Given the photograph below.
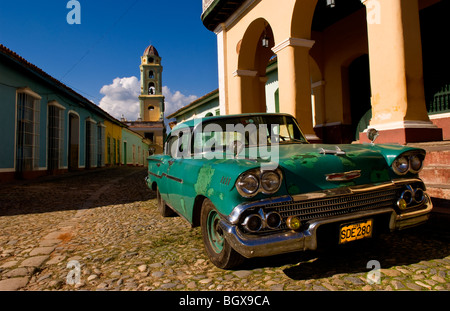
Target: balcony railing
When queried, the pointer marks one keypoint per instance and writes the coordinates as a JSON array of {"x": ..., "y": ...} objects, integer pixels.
[
  {"x": 206, "y": 4},
  {"x": 441, "y": 101}
]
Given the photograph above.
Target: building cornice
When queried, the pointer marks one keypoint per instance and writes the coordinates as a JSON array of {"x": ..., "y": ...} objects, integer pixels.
[
  {"x": 293, "y": 42},
  {"x": 219, "y": 11},
  {"x": 245, "y": 73}
]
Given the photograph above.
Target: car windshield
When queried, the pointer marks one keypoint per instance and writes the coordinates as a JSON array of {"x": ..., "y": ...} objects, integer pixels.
[{"x": 250, "y": 131}]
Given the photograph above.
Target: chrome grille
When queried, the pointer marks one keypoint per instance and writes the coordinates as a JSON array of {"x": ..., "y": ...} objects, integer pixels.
[{"x": 334, "y": 206}]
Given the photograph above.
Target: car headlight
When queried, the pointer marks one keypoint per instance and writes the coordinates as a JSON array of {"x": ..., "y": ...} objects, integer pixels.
[
  {"x": 401, "y": 165},
  {"x": 270, "y": 182},
  {"x": 248, "y": 185},
  {"x": 253, "y": 223},
  {"x": 408, "y": 162},
  {"x": 415, "y": 163},
  {"x": 254, "y": 181}
]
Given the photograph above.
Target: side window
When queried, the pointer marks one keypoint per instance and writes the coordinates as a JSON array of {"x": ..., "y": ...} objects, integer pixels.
[
  {"x": 184, "y": 148},
  {"x": 171, "y": 146},
  {"x": 179, "y": 144}
]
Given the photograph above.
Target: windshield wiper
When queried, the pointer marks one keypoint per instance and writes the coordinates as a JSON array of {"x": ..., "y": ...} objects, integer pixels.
[{"x": 288, "y": 138}]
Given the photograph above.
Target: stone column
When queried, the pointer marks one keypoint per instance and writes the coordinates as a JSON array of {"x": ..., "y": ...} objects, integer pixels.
[
  {"x": 295, "y": 82},
  {"x": 222, "y": 58},
  {"x": 251, "y": 92},
  {"x": 318, "y": 90},
  {"x": 396, "y": 73}
]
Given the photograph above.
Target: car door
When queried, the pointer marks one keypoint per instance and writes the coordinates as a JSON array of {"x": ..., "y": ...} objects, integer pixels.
[
  {"x": 158, "y": 166},
  {"x": 177, "y": 170}
]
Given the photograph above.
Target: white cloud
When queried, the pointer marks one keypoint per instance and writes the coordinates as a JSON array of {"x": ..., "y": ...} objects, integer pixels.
[
  {"x": 121, "y": 98},
  {"x": 175, "y": 101}
]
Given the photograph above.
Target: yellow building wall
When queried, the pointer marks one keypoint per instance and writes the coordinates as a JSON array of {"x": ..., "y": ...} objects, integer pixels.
[
  {"x": 244, "y": 60},
  {"x": 395, "y": 61},
  {"x": 333, "y": 50},
  {"x": 113, "y": 132}
]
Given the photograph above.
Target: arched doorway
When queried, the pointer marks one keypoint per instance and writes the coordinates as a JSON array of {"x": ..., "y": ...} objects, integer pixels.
[
  {"x": 255, "y": 52},
  {"x": 359, "y": 94}
]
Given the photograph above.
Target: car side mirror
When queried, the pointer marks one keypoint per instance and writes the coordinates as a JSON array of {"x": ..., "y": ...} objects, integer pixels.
[{"x": 372, "y": 134}]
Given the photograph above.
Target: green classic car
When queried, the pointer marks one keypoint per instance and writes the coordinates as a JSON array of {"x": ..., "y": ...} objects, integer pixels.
[{"x": 258, "y": 188}]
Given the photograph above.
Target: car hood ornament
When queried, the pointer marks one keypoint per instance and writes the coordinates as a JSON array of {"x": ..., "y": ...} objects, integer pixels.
[
  {"x": 372, "y": 134},
  {"x": 336, "y": 151}
]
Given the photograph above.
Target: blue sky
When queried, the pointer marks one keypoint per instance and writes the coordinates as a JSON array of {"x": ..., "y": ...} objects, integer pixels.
[{"x": 100, "y": 57}]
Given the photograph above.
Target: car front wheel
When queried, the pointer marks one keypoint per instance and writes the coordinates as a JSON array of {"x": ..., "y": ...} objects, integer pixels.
[{"x": 217, "y": 248}]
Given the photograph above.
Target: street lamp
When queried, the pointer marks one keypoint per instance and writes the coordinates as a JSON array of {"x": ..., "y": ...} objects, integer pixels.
[
  {"x": 265, "y": 41},
  {"x": 331, "y": 3}
]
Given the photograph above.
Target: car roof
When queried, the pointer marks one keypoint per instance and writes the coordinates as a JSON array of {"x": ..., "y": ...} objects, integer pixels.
[{"x": 194, "y": 122}]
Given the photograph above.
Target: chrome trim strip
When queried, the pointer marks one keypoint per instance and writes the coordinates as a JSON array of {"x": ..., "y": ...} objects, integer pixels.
[
  {"x": 168, "y": 176},
  {"x": 174, "y": 178},
  {"x": 156, "y": 175}
]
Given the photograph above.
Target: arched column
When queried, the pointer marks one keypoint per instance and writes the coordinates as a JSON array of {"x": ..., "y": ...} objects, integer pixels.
[
  {"x": 250, "y": 88},
  {"x": 295, "y": 82},
  {"x": 396, "y": 72}
]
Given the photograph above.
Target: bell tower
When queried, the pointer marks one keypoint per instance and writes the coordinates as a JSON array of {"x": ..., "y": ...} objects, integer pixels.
[{"x": 151, "y": 99}]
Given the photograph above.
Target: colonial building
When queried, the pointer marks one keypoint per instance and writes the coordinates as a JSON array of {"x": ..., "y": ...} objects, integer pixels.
[
  {"x": 205, "y": 106},
  {"x": 342, "y": 65},
  {"x": 151, "y": 120},
  {"x": 134, "y": 148},
  {"x": 48, "y": 128}
]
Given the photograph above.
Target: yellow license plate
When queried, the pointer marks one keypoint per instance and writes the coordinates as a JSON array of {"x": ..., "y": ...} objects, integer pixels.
[{"x": 355, "y": 231}]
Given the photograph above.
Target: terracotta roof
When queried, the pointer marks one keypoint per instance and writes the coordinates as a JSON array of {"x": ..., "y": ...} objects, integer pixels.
[
  {"x": 145, "y": 124},
  {"x": 19, "y": 60},
  {"x": 151, "y": 51}
]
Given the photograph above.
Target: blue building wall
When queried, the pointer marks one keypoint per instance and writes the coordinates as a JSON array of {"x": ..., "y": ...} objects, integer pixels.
[
  {"x": 7, "y": 124},
  {"x": 14, "y": 77}
]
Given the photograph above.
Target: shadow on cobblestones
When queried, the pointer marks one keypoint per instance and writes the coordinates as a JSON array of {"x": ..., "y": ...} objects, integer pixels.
[
  {"x": 68, "y": 192},
  {"x": 408, "y": 247}
]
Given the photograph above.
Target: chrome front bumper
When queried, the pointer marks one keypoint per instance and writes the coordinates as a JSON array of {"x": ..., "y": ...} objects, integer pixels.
[{"x": 291, "y": 241}]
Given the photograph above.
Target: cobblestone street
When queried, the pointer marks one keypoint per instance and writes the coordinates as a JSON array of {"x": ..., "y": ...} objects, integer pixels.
[{"x": 105, "y": 224}]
